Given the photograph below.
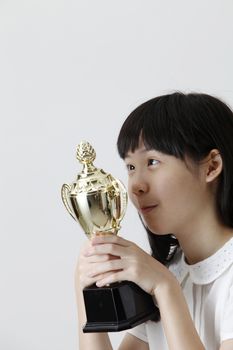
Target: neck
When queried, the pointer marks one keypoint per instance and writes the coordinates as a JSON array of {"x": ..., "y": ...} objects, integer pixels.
[{"x": 203, "y": 238}]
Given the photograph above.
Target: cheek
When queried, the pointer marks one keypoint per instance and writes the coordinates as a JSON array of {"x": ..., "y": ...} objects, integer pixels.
[{"x": 177, "y": 188}]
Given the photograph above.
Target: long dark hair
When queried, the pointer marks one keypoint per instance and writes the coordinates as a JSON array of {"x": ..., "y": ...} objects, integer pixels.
[{"x": 180, "y": 125}]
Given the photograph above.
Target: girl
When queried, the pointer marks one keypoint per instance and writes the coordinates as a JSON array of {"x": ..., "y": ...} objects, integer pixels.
[{"x": 178, "y": 150}]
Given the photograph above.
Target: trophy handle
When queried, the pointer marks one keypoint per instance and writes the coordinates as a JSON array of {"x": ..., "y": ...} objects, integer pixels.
[
  {"x": 124, "y": 199},
  {"x": 65, "y": 188}
]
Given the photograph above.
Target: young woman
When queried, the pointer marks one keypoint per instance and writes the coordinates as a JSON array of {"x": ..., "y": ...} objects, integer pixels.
[{"x": 178, "y": 150}]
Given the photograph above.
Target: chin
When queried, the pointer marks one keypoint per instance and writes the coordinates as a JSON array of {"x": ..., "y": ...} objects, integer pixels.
[
  {"x": 157, "y": 230},
  {"x": 153, "y": 227}
]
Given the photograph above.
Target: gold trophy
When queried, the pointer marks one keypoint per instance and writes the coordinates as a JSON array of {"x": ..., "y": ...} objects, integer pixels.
[{"x": 98, "y": 202}]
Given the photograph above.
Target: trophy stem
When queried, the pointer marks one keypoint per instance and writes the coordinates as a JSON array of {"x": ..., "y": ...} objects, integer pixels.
[
  {"x": 88, "y": 168},
  {"x": 104, "y": 233}
]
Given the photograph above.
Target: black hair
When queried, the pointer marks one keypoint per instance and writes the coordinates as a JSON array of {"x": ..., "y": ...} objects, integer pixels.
[{"x": 180, "y": 125}]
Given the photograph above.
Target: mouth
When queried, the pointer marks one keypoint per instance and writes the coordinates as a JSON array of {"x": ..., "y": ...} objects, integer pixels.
[{"x": 145, "y": 210}]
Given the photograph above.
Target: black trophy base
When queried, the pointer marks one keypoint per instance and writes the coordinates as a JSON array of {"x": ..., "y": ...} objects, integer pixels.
[{"x": 116, "y": 307}]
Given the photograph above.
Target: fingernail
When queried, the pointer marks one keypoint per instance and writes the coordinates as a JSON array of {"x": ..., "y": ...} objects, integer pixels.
[{"x": 87, "y": 253}]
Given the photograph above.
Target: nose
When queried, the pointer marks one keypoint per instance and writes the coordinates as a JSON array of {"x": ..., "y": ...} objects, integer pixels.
[{"x": 139, "y": 187}]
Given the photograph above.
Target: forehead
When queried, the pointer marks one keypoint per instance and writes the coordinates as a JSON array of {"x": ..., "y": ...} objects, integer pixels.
[{"x": 143, "y": 151}]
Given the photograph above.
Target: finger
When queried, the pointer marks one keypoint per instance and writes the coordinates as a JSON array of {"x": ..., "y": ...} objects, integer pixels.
[
  {"x": 110, "y": 239},
  {"x": 85, "y": 247},
  {"x": 111, "y": 278},
  {"x": 100, "y": 258},
  {"x": 102, "y": 276},
  {"x": 101, "y": 268},
  {"x": 85, "y": 281},
  {"x": 107, "y": 248}
]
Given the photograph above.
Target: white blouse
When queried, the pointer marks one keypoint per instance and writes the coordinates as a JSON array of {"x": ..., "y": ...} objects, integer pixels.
[{"x": 208, "y": 289}]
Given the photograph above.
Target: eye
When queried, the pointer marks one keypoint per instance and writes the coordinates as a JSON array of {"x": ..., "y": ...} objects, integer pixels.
[
  {"x": 130, "y": 167},
  {"x": 153, "y": 162}
]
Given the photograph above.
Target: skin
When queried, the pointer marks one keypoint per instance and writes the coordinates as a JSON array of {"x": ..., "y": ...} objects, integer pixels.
[{"x": 160, "y": 187}]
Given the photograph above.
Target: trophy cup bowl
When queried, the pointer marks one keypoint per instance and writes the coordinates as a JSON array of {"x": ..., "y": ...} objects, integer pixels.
[{"x": 98, "y": 202}]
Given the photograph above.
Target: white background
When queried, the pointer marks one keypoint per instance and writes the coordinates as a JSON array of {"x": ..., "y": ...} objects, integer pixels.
[{"x": 73, "y": 70}]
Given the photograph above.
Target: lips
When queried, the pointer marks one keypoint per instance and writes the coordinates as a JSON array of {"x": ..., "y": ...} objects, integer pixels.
[{"x": 147, "y": 209}]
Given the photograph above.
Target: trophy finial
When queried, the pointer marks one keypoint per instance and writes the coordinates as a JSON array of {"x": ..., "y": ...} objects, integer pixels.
[{"x": 85, "y": 153}]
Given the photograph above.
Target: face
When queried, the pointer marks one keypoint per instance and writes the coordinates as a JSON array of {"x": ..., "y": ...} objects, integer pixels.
[{"x": 167, "y": 193}]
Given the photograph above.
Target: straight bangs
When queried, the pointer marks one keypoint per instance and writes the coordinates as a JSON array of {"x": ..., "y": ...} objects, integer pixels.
[
  {"x": 155, "y": 123},
  {"x": 173, "y": 124}
]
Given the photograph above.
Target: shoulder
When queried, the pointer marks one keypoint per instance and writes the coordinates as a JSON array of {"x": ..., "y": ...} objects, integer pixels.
[{"x": 225, "y": 295}]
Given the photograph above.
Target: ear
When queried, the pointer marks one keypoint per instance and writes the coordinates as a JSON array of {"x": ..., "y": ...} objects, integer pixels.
[{"x": 214, "y": 165}]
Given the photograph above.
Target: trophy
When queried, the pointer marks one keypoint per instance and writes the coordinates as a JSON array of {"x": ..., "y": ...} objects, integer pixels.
[{"x": 98, "y": 202}]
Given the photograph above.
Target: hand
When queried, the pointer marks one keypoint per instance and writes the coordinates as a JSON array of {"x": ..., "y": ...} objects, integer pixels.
[
  {"x": 84, "y": 270},
  {"x": 113, "y": 258}
]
